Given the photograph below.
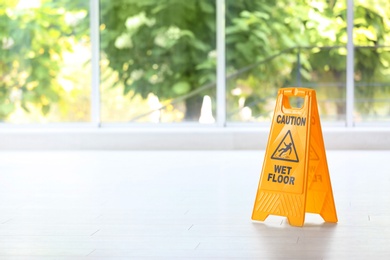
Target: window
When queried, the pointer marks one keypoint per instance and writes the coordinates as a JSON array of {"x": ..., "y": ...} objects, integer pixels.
[{"x": 156, "y": 61}]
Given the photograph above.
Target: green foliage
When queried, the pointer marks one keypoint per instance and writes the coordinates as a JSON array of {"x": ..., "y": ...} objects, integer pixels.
[
  {"x": 33, "y": 41},
  {"x": 256, "y": 30},
  {"x": 168, "y": 47},
  {"x": 255, "y": 35},
  {"x": 372, "y": 28},
  {"x": 159, "y": 46}
]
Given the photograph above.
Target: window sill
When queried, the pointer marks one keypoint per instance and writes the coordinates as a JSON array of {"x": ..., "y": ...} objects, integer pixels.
[{"x": 191, "y": 138}]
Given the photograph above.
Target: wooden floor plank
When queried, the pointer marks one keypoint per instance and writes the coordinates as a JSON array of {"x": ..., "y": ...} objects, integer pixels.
[{"x": 180, "y": 204}]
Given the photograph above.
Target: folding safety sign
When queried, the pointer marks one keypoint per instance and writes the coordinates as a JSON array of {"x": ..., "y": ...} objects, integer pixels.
[{"x": 295, "y": 176}]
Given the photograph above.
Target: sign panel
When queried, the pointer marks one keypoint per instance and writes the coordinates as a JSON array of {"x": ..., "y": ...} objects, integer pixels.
[{"x": 295, "y": 177}]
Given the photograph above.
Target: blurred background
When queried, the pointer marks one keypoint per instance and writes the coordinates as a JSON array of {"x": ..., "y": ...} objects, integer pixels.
[{"x": 214, "y": 62}]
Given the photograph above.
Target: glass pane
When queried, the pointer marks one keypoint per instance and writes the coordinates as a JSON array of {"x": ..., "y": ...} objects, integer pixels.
[
  {"x": 324, "y": 69},
  {"x": 264, "y": 53},
  {"x": 372, "y": 60},
  {"x": 158, "y": 60},
  {"x": 251, "y": 91},
  {"x": 44, "y": 61},
  {"x": 372, "y": 84}
]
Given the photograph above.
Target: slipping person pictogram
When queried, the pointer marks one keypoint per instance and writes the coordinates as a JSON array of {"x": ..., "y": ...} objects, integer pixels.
[{"x": 286, "y": 150}]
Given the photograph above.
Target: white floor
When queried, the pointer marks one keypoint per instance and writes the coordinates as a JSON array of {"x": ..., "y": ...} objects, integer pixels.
[{"x": 180, "y": 204}]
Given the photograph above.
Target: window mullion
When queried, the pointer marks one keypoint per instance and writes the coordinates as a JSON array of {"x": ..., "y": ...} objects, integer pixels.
[
  {"x": 221, "y": 64},
  {"x": 350, "y": 66},
  {"x": 95, "y": 61}
]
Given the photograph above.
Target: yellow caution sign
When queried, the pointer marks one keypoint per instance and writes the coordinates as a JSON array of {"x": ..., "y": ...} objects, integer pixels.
[{"x": 295, "y": 176}]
